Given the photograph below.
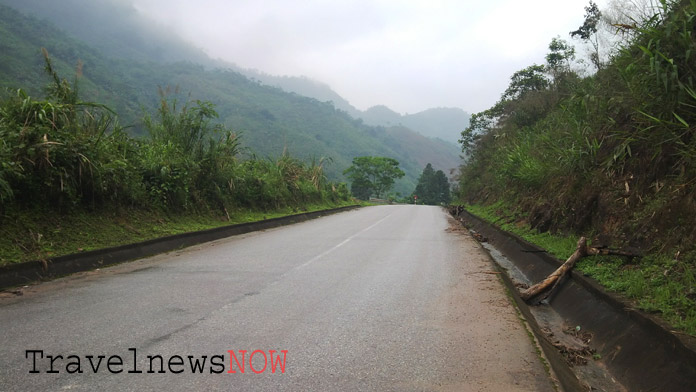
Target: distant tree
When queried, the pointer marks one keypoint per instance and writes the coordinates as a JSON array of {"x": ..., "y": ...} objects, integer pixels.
[
  {"x": 361, "y": 188},
  {"x": 525, "y": 81},
  {"x": 588, "y": 31},
  {"x": 442, "y": 187},
  {"x": 480, "y": 124},
  {"x": 372, "y": 176},
  {"x": 424, "y": 190},
  {"x": 561, "y": 53},
  {"x": 433, "y": 187}
]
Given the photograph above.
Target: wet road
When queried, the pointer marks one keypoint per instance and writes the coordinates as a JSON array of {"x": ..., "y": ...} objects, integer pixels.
[{"x": 380, "y": 298}]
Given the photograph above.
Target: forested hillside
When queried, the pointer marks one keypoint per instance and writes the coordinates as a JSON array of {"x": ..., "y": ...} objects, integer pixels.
[
  {"x": 115, "y": 28},
  {"x": 441, "y": 123},
  {"x": 269, "y": 120},
  {"x": 611, "y": 156},
  {"x": 71, "y": 179}
]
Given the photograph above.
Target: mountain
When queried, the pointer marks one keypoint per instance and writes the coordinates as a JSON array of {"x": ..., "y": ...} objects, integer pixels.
[
  {"x": 269, "y": 119},
  {"x": 442, "y": 123},
  {"x": 304, "y": 86},
  {"x": 382, "y": 116},
  {"x": 114, "y": 27}
]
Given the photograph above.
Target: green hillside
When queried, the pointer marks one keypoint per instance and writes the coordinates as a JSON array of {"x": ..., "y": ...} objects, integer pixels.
[
  {"x": 270, "y": 120},
  {"x": 610, "y": 156},
  {"x": 113, "y": 26}
]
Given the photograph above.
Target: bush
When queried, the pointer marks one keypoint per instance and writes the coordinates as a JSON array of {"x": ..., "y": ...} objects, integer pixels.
[{"x": 62, "y": 152}]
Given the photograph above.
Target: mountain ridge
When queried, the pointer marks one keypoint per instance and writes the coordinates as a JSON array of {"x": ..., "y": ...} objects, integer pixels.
[
  {"x": 271, "y": 121},
  {"x": 136, "y": 37}
]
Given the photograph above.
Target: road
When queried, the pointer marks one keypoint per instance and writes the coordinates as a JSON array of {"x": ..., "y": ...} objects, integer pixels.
[{"x": 386, "y": 298}]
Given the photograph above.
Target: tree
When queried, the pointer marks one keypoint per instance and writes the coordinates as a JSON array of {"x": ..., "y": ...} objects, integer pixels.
[
  {"x": 433, "y": 187},
  {"x": 479, "y": 124},
  {"x": 525, "y": 81},
  {"x": 588, "y": 31},
  {"x": 442, "y": 187},
  {"x": 361, "y": 188},
  {"x": 372, "y": 176},
  {"x": 561, "y": 53}
]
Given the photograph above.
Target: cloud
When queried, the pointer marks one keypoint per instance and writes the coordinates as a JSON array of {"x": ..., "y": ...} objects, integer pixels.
[{"x": 408, "y": 55}]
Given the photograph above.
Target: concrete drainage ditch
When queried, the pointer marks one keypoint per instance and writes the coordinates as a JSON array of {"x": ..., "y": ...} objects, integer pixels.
[{"x": 594, "y": 340}]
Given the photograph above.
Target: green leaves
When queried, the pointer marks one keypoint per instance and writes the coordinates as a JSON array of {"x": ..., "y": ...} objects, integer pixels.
[
  {"x": 433, "y": 187},
  {"x": 525, "y": 81},
  {"x": 62, "y": 152},
  {"x": 589, "y": 26},
  {"x": 373, "y": 176}
]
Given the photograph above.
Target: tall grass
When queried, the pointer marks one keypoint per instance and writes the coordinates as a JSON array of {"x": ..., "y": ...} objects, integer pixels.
[
  {"x": 637, "y": 115},
  {"x": 614, "y": 155},
  {"x": 61, "y": 153}
]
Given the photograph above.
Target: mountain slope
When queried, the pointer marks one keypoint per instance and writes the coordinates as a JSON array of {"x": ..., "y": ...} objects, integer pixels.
[
  {"x": 115, "y": 27},
  {"x": 303, "y": 86},
  {"x": 269, "y": 119},
  {"x": 382, "y": 116},
  {"x": 442, "y": 123},
  {"x": 118, "y": 30}
]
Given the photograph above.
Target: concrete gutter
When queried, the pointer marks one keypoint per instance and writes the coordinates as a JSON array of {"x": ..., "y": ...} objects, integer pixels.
[
  {"x": 31, "y": 271},
  {"x": 638, "y": 350}
]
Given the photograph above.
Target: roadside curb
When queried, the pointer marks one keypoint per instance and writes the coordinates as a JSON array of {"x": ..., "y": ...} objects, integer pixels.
[
  {"x": 639, "y": 350},
  {"x": 31, "y": 271}
]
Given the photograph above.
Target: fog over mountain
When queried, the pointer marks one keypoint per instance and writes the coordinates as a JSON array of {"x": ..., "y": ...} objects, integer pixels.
[
  {"x": 127, "y": 78},
  {"x": 407, "y": 55},
  {"x": 118, "y": 28}
]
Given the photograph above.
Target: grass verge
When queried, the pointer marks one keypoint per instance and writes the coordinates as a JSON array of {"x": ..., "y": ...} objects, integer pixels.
[
  {"x": 36, "y": 235},
  {"x": 657, "y": 283}
]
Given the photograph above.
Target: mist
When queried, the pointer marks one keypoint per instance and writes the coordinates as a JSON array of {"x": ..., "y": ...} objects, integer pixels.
[{"x": 407, "y": 55}]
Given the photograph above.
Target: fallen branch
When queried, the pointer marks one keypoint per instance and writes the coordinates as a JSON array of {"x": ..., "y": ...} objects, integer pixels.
[
  {"x": 551, "y": 293},
  {"x": 538, "y": 288},
  {"x": 556, "y": 279}
]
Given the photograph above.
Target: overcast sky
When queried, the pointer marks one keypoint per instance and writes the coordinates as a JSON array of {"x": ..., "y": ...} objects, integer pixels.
[{"x": 408, "y": 55}]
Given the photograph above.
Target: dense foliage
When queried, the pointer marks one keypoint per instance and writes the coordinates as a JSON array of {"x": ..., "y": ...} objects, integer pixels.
[
  {"x": 605, "y": 144},
  {"x": 610, "y": 155},
  {"x": 433, "y": 187},
  {"x": 372, "y": 176},
  {"x": 63, "y": 153}
]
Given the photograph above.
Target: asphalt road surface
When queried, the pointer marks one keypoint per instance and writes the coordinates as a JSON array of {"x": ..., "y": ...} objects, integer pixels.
[{"x": 388, "y": 298}]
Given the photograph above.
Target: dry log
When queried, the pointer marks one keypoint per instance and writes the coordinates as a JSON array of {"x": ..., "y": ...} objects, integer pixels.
[
  {"x": 538, "y": 288},
  {"x": 557, "y": 277},
  {"x": 551, "y": 293}
]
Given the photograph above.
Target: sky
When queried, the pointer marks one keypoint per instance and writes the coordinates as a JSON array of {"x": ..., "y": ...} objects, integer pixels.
[{"x": 408, "y": 55}]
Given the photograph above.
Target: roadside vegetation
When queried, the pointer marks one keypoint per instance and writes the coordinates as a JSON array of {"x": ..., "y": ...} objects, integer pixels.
[
  {"x": 653, "y": 283},
  {"x": 433, "y": 188},
  {"x": 373, "y": 176},
  {"x": 607, "y": 151},
  {"x": 70, "y": 176}
]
